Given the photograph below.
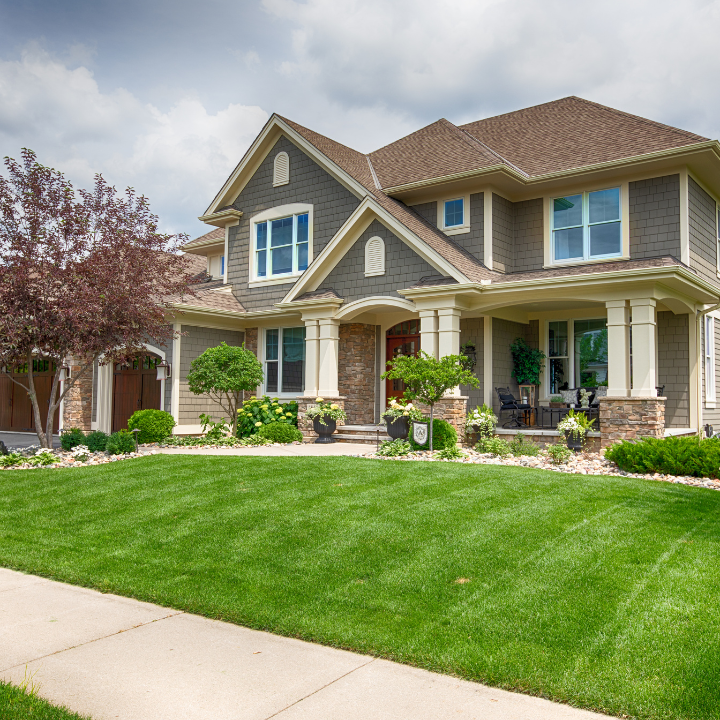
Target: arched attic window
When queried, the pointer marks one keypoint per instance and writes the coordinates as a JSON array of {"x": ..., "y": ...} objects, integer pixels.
[
  {"x": 374, "y": 256},
  {"x": 281, "y": 170}
]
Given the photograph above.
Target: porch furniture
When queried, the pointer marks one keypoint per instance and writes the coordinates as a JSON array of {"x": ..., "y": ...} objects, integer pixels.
[
  {"x": 508, "y": 402},
  {"x": 660, "y": 391},
  {"x": 527, "y": 395},
  {"x": 551, "y": 416}
]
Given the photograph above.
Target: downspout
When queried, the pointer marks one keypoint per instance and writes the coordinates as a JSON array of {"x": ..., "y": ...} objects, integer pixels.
[{"x": 700, "y": 356}]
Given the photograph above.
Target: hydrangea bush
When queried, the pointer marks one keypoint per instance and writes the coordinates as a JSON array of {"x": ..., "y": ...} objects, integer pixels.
[
  {"x": 257, "y": 412},
  {"x": 400, "y": 408},
  {"x": 325, "y": 410}
]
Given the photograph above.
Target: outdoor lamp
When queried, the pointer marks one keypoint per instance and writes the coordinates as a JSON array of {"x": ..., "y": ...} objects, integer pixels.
[
  {"x": 64, "y": 373},
  {"x": 163, "y": 370}
]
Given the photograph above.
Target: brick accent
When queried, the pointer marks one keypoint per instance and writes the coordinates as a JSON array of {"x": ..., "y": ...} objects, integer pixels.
[
  {"x": 305, "y": 425},
  {"x": 356, "y": 372},
  {"x": 627, "y": 418},
  {"x": 452, "y": 409},
  {"x": 77, "y": 408}
]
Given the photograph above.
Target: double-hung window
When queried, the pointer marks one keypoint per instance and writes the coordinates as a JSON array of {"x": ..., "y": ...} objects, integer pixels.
[
  {"x": 284, "y": 360},
  {"x": 577, "y": 354},
  {"x": 709, "y": 359},
  {"x": 586, "y": 226},
  {"x": 281, "y": 246}
]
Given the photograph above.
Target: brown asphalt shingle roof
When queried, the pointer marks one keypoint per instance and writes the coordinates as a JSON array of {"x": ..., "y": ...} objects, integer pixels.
[{"x": 216, "y": 234}]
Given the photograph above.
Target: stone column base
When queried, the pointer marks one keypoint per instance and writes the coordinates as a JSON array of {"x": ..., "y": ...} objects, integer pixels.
[
  {"x": 627, "y": 418},
  {"x": 305, "y": 424},
  {"x": 453, "y": 409},
  {"x": 77, "y": 405}
]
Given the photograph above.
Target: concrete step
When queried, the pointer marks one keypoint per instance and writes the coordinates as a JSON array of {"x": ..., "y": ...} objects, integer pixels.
[{"x": 360, "y": 433}]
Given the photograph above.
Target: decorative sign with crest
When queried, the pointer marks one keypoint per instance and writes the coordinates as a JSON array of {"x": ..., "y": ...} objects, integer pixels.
[{"x": 420, "y": 432}]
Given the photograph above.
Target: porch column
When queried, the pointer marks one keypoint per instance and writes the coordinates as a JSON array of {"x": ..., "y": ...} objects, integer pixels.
[
  {"x": 448, "y": 332},
  {"x": 618, "y": 320},
  {"x": 644, "y": 372},
  {"x": 329, "y": 337},
  {"x": 312, "y": 353},
  {"x": 429, "y": 332}
]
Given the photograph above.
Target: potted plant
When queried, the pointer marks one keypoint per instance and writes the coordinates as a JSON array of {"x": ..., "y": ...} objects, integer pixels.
[
  {"x": 556, "y": 401},
  {"x": 528, "y": 363},
  {"x": 481, "y": 421},
  {"x": 325, "y": 417},
  {"x": 398, "y": 417},
  {"x": 575, "y": 428}
]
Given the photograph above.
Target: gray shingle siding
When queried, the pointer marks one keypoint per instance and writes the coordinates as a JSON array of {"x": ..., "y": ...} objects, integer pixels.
[
  {"x": 193, "y": 343},
  {"x": 502, "y": 234},
  {"x": 674, "y": 367},
  {"x": 472, "y": 330},
  {"x": 428, "y": 211},
  {"x": 309, "y": 183},
  {"x": 655, "y": 217},
  {"x": 703, "y": 232},
  {"x": 403, "y": 267},
  {"x": 529, "y": 235}
]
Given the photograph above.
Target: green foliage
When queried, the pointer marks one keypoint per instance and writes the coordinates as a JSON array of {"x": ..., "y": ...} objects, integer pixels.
[
  {"x": 575, "y": 424},
  {"x": 154, "y": 425},
  {"x": 213, "y": 430},
  {"x": 279, "y": 432},
  {"x": 96, "y": 441},
  {"x": 519, "y": 445},
  {"x": 527, "y": 362},
  {"x": 224, "y": 373},
  {"x": 70, "y": 438},
  {"x": 495, "y": 446},
  {"x": 120, "y": 443},
  {"x": 450, "y": 453},
  {"x": 257, "y": 412},
  {"x": 559, "y": 452},
  {"x": 394, "y": 448},
  {"x": 232, "y": 441},
  {"x": 669, "y": 456},
  {"x": 592, "y": 349},
  {"x": 42, "y": 458},
  {"x": 323, "y": 411},
  {"x": 443, "y": 435},
  {"x": 482, "y": 421},
  {"x": 12, "y": 459},
  {"x": 23, "y": 702}
]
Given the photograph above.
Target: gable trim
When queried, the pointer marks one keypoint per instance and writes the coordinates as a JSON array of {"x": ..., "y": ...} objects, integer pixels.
[{"x": 350, "y": 232}]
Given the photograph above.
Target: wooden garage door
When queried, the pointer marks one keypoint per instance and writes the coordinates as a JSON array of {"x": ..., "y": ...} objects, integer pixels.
[
  {"x": 135, "y": 387},
  {"x": 15, "y": 407}
]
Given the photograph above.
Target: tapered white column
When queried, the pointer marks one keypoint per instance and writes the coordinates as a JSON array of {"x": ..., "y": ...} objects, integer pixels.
[
  {"x": 312, "y": 353},
  {"x": 429, "y": 332},
  {"x": 329, "y": 338},
  {"x": 644, "y": 365},
  {"x": 618, "y": 325},
  {"x": 448, "y": 332}
]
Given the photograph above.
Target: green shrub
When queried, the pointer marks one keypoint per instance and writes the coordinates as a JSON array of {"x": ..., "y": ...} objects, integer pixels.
[
  {"x": 444, "y": 435},
  {"x": 279, "y": 432},
  {"x": 669, "y": 456},
  {"x": 495, "y": 446},
  {"x": 520, "y": 446},
  {"x": 559, "y": 452},
  {"x": 96, "y": 441},
  {"x": 71, "y": 438},
  {"x": 394, "y": 448},
  {"x": 154, "y": 425},
  {"x": 213, "y": 430},
  {"x": 12, "y": 459},
  {"x": 257, "y": 412},
  {"x": 450, "y": 453},
  {"x": 120, "y": 443}
]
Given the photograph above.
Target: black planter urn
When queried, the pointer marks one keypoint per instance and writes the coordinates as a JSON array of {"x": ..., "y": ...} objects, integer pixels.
[
  {"x": 324, "y": 431},
  {"x": 574, "y": 442},
  {"x": 399, "y": 428}
]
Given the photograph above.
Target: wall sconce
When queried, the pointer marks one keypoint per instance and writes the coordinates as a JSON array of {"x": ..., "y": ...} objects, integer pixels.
[
  {"x": 64, "y": 373},
  {"x": 163, "y": 370}
]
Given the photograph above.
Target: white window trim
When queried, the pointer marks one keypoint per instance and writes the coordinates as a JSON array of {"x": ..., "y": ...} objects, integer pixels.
[
  {"x": 454, "y": 229},
  {"x": 709, "y": 362},
  {"x": 549, "y": 262},
  {"x": 275, "y": 214},
  {"x": 262, "y": 390}
]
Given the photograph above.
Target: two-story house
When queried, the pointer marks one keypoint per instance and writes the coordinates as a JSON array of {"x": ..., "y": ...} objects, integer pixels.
[{"x": 568, "y": 224}]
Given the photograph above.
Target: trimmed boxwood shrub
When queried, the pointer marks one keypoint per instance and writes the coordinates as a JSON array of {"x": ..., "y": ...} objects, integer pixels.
[
  {"x": 120, "y": 443},
  {"x": 444, "y": 436},
  {"x": 280, "y": 432},
  {"x": 72, "y": 438},
  {"x": 96, "y": 441},
  {"x": 154, "y": 425},
  {"x": 669, "y": 456}
]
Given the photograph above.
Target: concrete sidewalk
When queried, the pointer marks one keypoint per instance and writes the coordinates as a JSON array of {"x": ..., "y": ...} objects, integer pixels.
[{"x": 112, "y": 657}]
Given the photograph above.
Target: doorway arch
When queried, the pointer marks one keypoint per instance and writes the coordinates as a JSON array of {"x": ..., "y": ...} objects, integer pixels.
[
  {"x": 135, "y": 387},
  {"x": 400, "y": 339}
]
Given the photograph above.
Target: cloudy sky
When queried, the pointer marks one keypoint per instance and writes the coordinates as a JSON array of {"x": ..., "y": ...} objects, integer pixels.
[{"x": 166, "y": 96}]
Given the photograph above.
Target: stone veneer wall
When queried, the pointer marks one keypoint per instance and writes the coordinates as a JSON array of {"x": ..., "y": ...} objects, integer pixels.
[
  {"x": 77, "y": 408},
  {"x": 452, "y": 409},
  {"x": 627, "y": 418},
  {"x": 305, "y": 424},
  {"x": 356, "y": 372}
]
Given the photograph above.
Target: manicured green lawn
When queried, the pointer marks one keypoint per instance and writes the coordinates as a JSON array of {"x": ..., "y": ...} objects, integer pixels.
[
  {"x": 16, "y": 704},
  {"x": 601, "y": 592}
]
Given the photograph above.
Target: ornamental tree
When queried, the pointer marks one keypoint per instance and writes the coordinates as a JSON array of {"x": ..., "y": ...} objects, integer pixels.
[
  {"x": 224, "y": 373},
  {"x": 427, "y": 379},
  {"x": 84, "y": 275}
]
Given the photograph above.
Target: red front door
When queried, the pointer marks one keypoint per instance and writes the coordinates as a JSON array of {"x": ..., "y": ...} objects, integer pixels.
[{"x": 402, "y": 339}]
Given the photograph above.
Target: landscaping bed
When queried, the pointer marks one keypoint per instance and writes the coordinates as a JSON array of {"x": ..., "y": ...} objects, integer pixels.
[{"x": 34, "y": 458}]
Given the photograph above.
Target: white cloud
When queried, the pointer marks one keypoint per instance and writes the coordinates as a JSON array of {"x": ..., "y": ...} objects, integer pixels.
[{"x": 178, "y": 158}]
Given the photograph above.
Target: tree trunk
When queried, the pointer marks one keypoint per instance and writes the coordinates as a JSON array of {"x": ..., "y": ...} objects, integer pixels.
[
  {"x": 432, "y": 409},
  {"x": 42, "y": 437}
]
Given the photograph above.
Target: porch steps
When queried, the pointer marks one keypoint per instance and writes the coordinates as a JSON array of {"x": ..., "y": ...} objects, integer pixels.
[{"x": 360, "y": 433}]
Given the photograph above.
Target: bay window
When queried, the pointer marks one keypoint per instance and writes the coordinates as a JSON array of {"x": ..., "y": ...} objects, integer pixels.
[
  {"x": 284, "y": 360},
  {"x": 577, "y": 354},
  {"x": 586, "y": 226},
  {"x": 281, "y": 246}
]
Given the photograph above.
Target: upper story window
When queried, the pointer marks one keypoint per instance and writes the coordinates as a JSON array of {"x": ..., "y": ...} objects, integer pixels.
[
  {"x": 281, "y": 169},
  {"x": 216, "y": 266},
  {"x": 587, "y": 226},
  {"x": 454, "y": 213},
  {"x": 282, "y": 246}
]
